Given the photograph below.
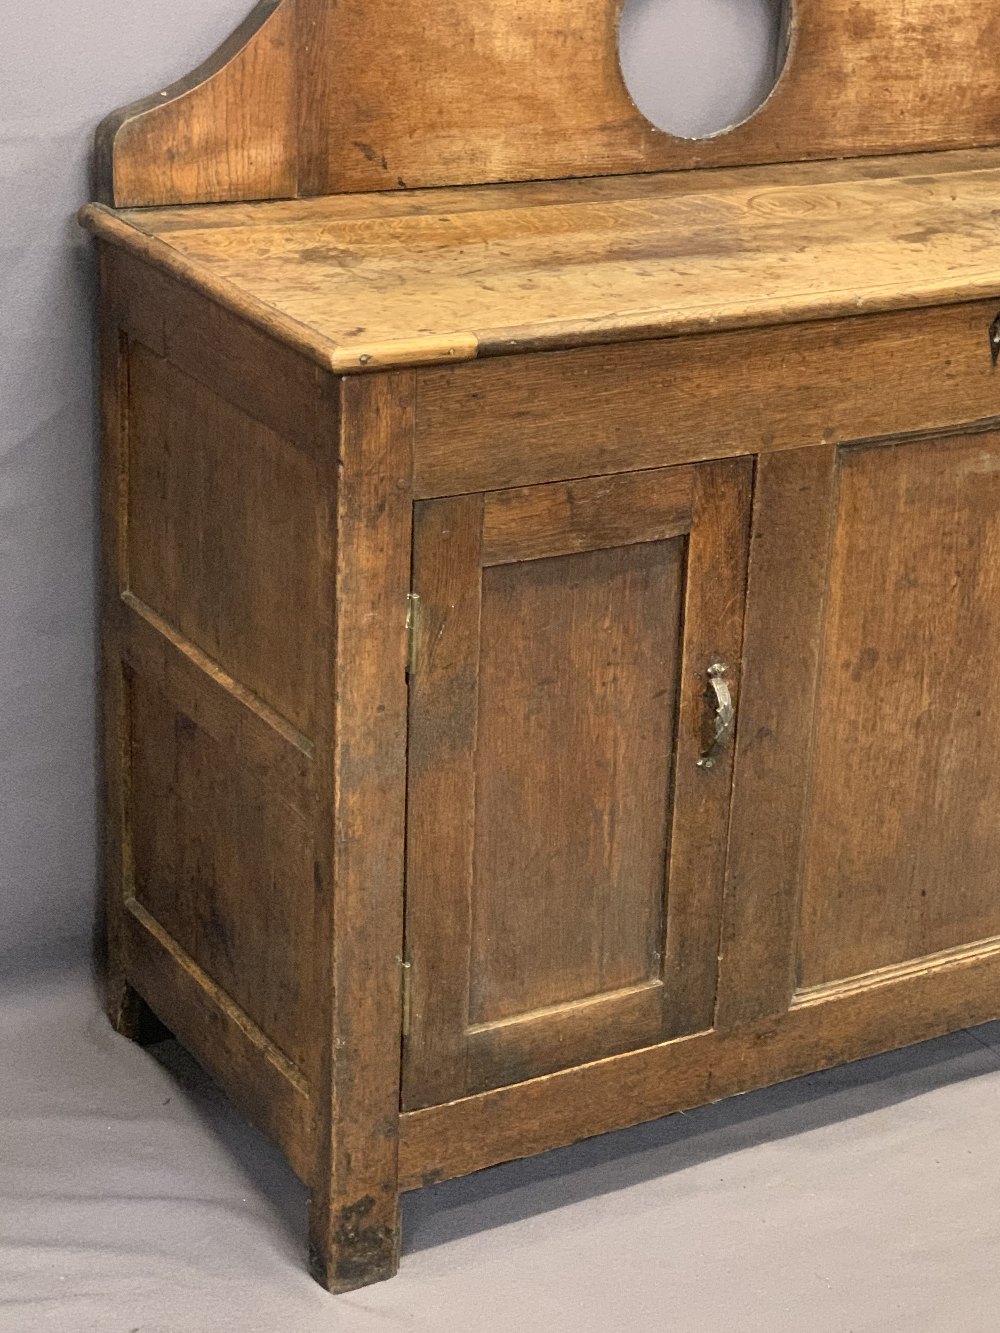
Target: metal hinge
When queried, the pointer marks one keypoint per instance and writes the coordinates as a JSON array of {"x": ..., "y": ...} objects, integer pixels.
[
  {"x": 412, "y": 629},
  {"x": 406, "y": 970}
]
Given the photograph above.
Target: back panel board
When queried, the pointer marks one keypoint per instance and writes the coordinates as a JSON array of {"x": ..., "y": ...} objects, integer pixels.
[{"x": 371, "y": 95}]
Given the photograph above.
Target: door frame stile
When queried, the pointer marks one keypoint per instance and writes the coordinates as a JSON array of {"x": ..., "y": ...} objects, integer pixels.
[{"x": 795, "y": 494}]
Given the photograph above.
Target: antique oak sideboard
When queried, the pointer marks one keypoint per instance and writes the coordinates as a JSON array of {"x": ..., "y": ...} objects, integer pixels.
[{"x": 551, "y": 576}]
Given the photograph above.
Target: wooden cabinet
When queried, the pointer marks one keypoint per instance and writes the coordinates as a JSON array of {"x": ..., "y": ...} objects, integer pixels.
[
  {"x": 547, "y": 627},
  {"x": 567, "y": 811}
]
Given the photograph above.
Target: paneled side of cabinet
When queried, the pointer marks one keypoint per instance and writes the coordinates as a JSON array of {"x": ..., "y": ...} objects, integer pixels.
[
  {"x": 218, "y": 556},
  {"x": 565, "y": 844}
]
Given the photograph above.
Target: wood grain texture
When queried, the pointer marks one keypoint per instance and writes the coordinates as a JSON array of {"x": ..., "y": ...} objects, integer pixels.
[
  {"x": 279, "y": 756},
  {"x": 564, "y": 883},
  {"x": 713, "y": 633},
  {"x": 317, "y": 97},
  {"x": 225, "y": 866},
  {"x": 266, "y": 375},
  {"x": 579, "y": 676},
  {"x": 443, "y": 722},
  {"x": 444, "y": 96},
  {"x": 354, "y": 1218},
  {"x": 904, "y": 813},
  {"x": 226, "y": 131},
  {"x": 446, "y": 200},
  {"x": 549, "y": 1112},
  {"x": 438, "y": 287},
  {"x": 579, "y": 668},
  {"x": 680, "y": 400},
  {"x": 168, "y": 271},
  {"x": 521, "y": 1047},
  {"x": 256, "y": 1075},
  {"x": 532, "y": 522},
  {"x": 619, "y": 418},
  {"x": 120, "y": 998},
  {"x": 225, "y": 533},
  {"x": 793, "y": 513},
  {"x": 526, "y": 851},
  {"x": 214, "y": 797}
]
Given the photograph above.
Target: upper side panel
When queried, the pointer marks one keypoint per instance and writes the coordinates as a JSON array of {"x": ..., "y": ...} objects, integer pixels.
[{"x": 316, "y": 97}]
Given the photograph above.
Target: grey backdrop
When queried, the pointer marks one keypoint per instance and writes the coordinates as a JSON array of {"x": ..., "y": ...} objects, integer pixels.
[{"x": 63, "y": 65}]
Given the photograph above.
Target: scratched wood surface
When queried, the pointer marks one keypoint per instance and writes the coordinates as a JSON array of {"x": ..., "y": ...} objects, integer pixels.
[
  {"x": 565, "y": 849},
  {"x": 312, "y": 97},
  {"x": 369, "y": 287},
  {"x": 211, "y": 793},
  {"x": 900, "y": 857}
]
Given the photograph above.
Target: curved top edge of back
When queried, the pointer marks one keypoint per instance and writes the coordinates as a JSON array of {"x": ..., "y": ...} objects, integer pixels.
[{"x": 312, "y": 97}]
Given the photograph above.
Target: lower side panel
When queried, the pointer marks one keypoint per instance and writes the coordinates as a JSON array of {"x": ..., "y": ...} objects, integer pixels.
[
  {"x": 261, "y": 1081},
  {"x": 879, "y": 1013}
]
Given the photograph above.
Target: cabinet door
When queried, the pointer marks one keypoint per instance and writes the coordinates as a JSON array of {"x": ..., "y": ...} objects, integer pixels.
[
  {"x": 565, "y": 846},
  {"x": 870, "y": 727}
]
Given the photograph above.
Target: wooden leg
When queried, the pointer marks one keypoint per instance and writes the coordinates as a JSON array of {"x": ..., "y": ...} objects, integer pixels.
[
  {"x": 353, "y": 1244},
  {"x": 354, "y": 1222},
  {"x": 130, "y": 1015},
  {"x": 124, "y": 1007}
]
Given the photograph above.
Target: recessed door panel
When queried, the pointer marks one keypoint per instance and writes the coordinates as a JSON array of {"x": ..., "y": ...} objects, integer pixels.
[
  {"x": 903, "y": 823},
  {"x": 579, "y": 666}
]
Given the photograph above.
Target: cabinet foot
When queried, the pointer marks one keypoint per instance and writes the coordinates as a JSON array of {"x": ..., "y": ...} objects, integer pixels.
[
  {"x": 123, "y": 1005},
  {"x": 130, "y": 1015},
  {"x": 355, "y": 1244}
]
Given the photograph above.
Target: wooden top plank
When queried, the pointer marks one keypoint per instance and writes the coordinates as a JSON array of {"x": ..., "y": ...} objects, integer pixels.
[{"x": 368, "y": 282}]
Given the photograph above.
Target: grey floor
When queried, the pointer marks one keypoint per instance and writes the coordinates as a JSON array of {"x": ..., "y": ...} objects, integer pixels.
[{"x": 134, "y": 1200}]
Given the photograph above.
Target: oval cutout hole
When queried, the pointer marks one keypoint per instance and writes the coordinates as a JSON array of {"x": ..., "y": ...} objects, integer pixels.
[{"x": 697, "y": 68}]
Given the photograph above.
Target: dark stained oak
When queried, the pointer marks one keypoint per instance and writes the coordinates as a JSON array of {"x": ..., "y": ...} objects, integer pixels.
[{"x": 121, "y": 998}]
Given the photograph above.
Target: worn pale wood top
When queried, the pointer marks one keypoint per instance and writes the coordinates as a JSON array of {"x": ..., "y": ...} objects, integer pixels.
[{"x": 369, "y": 281}]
